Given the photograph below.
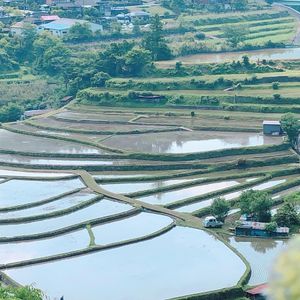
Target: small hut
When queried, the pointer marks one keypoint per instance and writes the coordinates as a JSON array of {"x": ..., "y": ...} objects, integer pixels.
[{"x": 272, "y": 128}]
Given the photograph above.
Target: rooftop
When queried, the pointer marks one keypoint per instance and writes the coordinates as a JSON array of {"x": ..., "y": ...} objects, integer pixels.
[
  {"x": 271, "y": 123},
  {"x": 50, "y": 18},
  {"x": 63, "y": 24}
]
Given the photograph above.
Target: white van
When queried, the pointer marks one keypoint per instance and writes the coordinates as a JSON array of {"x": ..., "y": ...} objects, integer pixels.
[{"x": 211, "y": 222}]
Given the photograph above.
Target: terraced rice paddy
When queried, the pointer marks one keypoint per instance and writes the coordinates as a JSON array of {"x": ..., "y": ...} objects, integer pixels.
[
  {"x": 254, "y": 55},
  {"x": 188, "y": 142},
  {"x": 260, "y": 254},
  {"x": 122, "y": 204}
]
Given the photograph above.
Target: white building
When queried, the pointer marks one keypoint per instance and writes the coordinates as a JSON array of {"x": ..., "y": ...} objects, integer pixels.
[{"x": 62, "y": 26}]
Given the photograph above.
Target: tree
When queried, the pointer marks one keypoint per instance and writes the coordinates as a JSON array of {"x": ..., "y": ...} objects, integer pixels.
[
  {"x": 79, "y": 32},
  {"x": 154, "y": 41},
  {"x": 113, "y": 60},
  {"x": 256, "y": 203},
  {"x": 220, "y": 208},
  {"x": 51, "y": 55},
  {"x": 56, "y": 59},
  {"x": 235, "y": 34},
  {"x": 136, "y": 60},
  {"x": 287, "y": 215},
  {"x": 99, "y": 79},
  {"x": 291, "y": 125},
  {"x": 239, "y": 5},
  {"x": 10, "y": 113},
  {"x": 177, "y": 6},
  {"x": 6, "y": 63},
  {"x": 246, "y": 61}
]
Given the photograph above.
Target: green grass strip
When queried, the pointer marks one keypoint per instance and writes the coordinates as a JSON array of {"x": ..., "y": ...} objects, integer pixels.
[{"x": 91, "y": 235}]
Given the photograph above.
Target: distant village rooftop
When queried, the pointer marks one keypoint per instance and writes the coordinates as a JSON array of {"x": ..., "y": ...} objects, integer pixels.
[
  {"x": 49, "y": 18},
  {"x": 61, "y": 26}
]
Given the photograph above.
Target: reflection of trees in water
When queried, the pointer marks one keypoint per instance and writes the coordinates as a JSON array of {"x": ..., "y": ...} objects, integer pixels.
[
  {"x": 262, "y": 246},
  {"x": 164, "y": 142},
  {"x": 156, "y": 143}
]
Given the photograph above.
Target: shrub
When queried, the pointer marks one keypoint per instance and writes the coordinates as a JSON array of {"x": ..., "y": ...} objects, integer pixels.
[
  {"x": 275, "y": 85},
  {"x": 277, "y": 96},
  {"x": 271, "y": 227},
  {"x": 242, "y": 163},
  {"x": 11, "y": 112},
  {"x": 200, "y": 36}
]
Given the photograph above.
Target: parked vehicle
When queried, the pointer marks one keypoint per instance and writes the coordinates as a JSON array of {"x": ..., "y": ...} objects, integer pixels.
[{"x": 212, "y": 222}]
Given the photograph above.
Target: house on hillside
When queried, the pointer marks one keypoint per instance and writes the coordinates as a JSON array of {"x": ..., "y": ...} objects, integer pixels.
[
  {"x": 62, "y": 26},
  {"x": 19, "y": 27},
  {"x": 139, "y": 17}
]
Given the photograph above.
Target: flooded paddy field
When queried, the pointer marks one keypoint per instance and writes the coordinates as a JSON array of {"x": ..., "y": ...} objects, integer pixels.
[
  {"x": 55, "y": 201},
  {"x": 101, "y": 128},
  {"x": 206, "y": 203},
  {"x": 24, "y": 174},
  {"x": 101, "y": 209},
  {"x": 15, "y": 252},
  {"x": 27, "y": 143},
  {"x": 54, "y": 206},
  {"x": 254, "y": 55},
  {"x": 93, "y": 117},
  {"x": 150, "y": 269},
  {"x": 89, "y": 162},
  {"x": 188, "y": 142},
  {"x": 17, "y": 191},
  {"x": 132, "y": 187},
  {"x": 130, "y": 228},
  {"x": 173, "y": 196},
  {"x": 260, "y": 253}
]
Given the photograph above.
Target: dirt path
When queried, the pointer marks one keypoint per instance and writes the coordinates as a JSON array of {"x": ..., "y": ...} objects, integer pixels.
[{"x": 181, "y": 218}]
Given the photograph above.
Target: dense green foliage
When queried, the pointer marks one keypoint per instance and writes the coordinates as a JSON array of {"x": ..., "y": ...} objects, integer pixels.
[
  {"x": 291, "y": 125},
  {"x": 256, "y": 203},
  {"x": 21, "y": 293},
  {"x": 220, "y": 208},
  {"x": 79, "y": 33},
  {"x": 287, "y": 215},
  {"x": 10, "y": 112},
  {"x": 154, "y": 41}
]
